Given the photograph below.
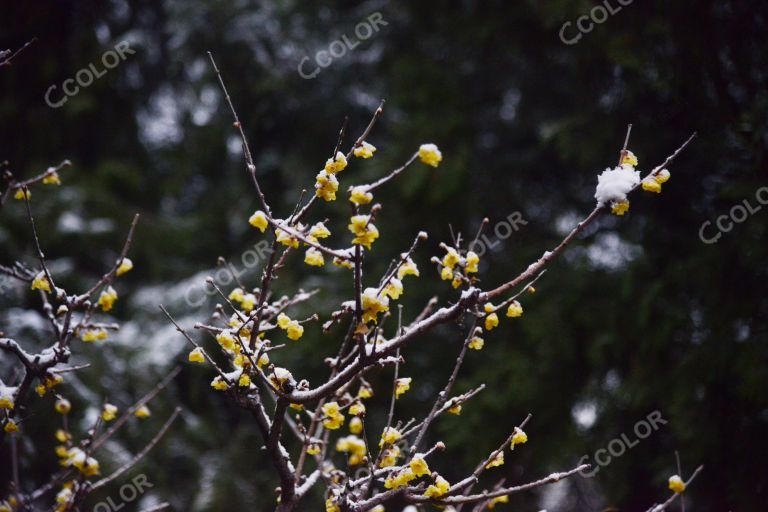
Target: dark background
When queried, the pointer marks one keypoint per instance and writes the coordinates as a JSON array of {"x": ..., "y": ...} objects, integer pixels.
[{"x": 639, "y": 316}]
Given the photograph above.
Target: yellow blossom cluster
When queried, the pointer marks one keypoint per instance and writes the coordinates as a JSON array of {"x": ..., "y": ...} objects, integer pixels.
[
  {"x": 79, "y": 459},
  {"x": 373, "y": 304},
  {"x": 22, "y": 194},
  {"x": 333, "y": 419},
  {"x": 439, "y": 488},
  {"x": 654, "y": 183},
  {"x": 360, "y": 196},
  {"x": 455, "y": 268},
  {"x": 293, "y": 329},
  {"x": 430, "y": 155},
  {"x": 364, "y": 230},
  {"x": 364, "y": 150},
  {"x": 389, "y": 456},
  {"x": 107, "y": 299},
  {"x": 91, "y": 335},
  {"x": 47, "y": 383},
  {"x": 354, "y": 446},
  {"x": 247, "y": 301}
]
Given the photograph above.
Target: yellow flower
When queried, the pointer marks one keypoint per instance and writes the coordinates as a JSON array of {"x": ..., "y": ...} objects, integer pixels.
[
  {"x": 336, "y": 164},
  {"x": 408, "y": 268},
  {"x": 125, "y": 266},
  {"x": 61, "y": 451},
  {"x": 676, "y": 484},
  {"x": 333, "y": 417},
  {"x": 373, "y": 304},
  {"x": 491, "y": 321},
  {"x": 365, "y": 232},
  {"x": 498, "y": 460},
  {"x": 219, "y": 384},
  {"x": 399, "y": 479},
  {"x": 62, "y": 406},
  {"x": 430, "y": 155},
  {"x": 11, "y": 426},
  {"x": 109, "y": 413},
  {"x": 365, "y": 391},
  {"x": 419, "y": 466},
  {"x": 90, "y": 335},
  {"x": 244, "y": 381},
  {"x": 49, "y": 382},
  {"x": 314, "y": 257},
  {"x": 393, "y": 289},
  {"x": 319, "y": 231},
  {"x": 390, "y": 436},
  {"x": 107, "y": 299},
  {"x": 662, "y": 176},
  {"x": 456, "y": 409},
  {"x": 629, "y": 158},
  {"x": 514, "y": 310},
  {"x": 357, "y": 409},
  {"x": 259, "y": 220},
  {"x": 41, "y": 282},
  {"x": 142, "y": 412},
  {"x": 62, "y": 435},
  {"x": 294, "y": 330},
  {"x": 620, "y": 207},
  {"x": 236, "y": 295},
  {"x": 355, "y": 425},
  {"x": 498, "y": 499},
  {"x": 196, "y": 356},
  {"x": 352, "y": 445},
  {"x": 286, "y": 239},
  {"x": 476, "y": 343},
  {"x": 359, "y": 196},
  {"x": 283, "y": 320},
  {"x": 451, "y": 258},
  {"x": 248, "y": 302},
  {"x": 52, "y": 179},
  {"x": 331, "y": 506},
  {"x": 472, "y": 260},
  {"x": 280, "y": 377},
  {"x": 6, "y": 401},
  {"x": 365, "y": 150},
  {"x": 326, "y": 186},
  {"x": 456, "y": 281},
  {"x": 226, "y": 340},
  {"x": 313, "y": 448},
  {"x": 340, "y": 262},
  {"x": 651, "y": 185},
  {"x": 440, "y": 487},
  {"x": 402, "y": 385},
  {"x": 519, "y": 437},
  {"x": 378, "y": 508},
  {"x": 389, "y": 456},
  {"x": 446, "y": 274},
  {"x": 88, "y": 466},
  {"x": 20, "y": 194}
]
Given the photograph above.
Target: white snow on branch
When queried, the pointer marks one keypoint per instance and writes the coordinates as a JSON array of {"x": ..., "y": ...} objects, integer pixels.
[{"x": 614, "y": 184}]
